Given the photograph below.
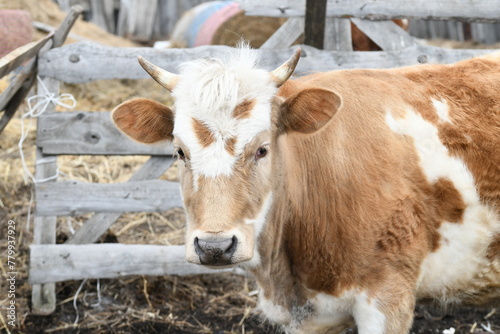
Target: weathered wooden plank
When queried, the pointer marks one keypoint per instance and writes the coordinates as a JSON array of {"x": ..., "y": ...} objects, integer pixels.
[
  {"x": 27, "y": 71},
  {"x": 71, "y": 198},
  {"x": 43, "y": 297},
  {"x": 57, "y": 263},
  {"x": 314, "y": 31},
  {"x": 103, "y": 14},
  {"x": 15, "y": 94},
  {"x": 63, "y": 30},
  {"x": 101, "y": 62},
  {"x": 93, "y": 228},
  {"x": 462, "y": 10},
  {"x": 286, "y": 34},
  {"x": 89, "y": 133},
  {"x": 338, "y": 34},
  {"x": 21, "y": 54},
  {"x": 386, "y": 34}
]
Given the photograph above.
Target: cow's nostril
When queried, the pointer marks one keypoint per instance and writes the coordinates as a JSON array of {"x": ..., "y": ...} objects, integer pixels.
[{"x": 215, "y": 252}]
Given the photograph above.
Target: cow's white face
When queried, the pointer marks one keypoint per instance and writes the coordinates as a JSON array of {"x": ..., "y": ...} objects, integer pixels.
[{"x": 222, "y": 131}]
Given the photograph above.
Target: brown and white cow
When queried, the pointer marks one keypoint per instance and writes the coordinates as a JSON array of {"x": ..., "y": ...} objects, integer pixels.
[{"x": 349, "y": 195}]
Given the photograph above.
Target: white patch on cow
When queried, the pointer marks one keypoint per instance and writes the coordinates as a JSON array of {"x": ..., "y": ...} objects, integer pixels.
[
  {"x": 368, "y": 317},
  {"x": 462, "y": 251},
  {"x": 209, "y": 91},
  {"x": 442, "y": 110},
  {"x": 275, "y": 313},
  {"x": 258, "y": 224},
  {"x": 336, "y": 313}
]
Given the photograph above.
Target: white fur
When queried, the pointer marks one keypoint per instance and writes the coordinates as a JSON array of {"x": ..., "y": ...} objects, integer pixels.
[
  {"x": 442, "y": 110},
  {"x": 327, "y": 312},
  {"x": 368, "y": 317},
  {"x": 275, "y": 313},
  {"x": 258, "y": 224},
  {"x": 208, "y": 91},
  {"x": 462, "y": 251}
]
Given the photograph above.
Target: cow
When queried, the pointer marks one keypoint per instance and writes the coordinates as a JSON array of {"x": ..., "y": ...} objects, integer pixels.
[{"x": 349, "y": 195}]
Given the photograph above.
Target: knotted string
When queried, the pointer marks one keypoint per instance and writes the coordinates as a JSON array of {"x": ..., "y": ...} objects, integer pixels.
[{"x": 35, "y": 111}]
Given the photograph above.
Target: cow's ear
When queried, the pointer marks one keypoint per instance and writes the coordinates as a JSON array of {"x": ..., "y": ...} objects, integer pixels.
[
  {"x": 144, "y": 120},
  {"x": 309, "y": 110}
]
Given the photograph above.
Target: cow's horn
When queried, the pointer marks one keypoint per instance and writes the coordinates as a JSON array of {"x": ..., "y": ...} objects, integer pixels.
[
  {"x": 282, "y": 73},
  {"x": 164, "y": 78}
]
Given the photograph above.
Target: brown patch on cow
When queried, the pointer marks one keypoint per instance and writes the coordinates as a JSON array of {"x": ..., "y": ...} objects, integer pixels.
[
  {"x": 230, "y": 145},
  {"x": 449, "y": 203},
  {"x": 493, "y": 252},
  {"x": 244, "y": 109},
  {"x": 203, "y": 133}
]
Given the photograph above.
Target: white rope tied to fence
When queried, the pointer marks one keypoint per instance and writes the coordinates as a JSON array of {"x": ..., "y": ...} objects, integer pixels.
[{"x": 35, "y": 111}]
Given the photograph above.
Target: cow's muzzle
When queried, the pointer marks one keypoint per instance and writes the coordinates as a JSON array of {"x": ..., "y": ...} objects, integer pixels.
[{"x": 216, "y": 252}]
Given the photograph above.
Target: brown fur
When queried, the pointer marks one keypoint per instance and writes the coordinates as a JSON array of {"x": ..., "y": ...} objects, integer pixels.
[
  {"x": 137, "y": 115},
  {"x": 244, "y": 109},
  {"x": 230, "y": 144},
  {"x": 203, "y": 133}
]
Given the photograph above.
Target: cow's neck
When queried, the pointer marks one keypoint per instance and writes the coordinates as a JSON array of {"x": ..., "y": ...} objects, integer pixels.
[{"x": 293, "y": 242}]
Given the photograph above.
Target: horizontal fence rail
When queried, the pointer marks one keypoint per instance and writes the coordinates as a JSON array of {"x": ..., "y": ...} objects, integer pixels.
[
  {"x": 91, "y": 133},
  {"x": 457, "y": 10},
  {"x": 57, "y": 263},
  {"x": 97, "y": 62},
  {"x": 69, "y": 198}
]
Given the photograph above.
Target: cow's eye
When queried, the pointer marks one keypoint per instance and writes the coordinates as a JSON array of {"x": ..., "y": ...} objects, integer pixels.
[
  {"x": 180, "y": 154},
  {"x": 261, "y": 152}
]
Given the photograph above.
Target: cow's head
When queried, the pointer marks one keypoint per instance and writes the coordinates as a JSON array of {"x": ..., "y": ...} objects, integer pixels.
[{"x": 221, "y": 128}]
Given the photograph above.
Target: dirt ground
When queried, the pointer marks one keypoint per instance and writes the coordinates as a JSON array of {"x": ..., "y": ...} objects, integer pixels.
[{"x": 222, "y": 303}]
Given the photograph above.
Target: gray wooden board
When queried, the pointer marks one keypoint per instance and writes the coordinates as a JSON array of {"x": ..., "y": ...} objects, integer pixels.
[
  {"x": 386, "y": 34},
  {"x": 89, "y": 133},
  {"x": 21, "y": 54},
  {"x": 72, "y": 198},
  {"x": 338, "y": 35},
  {"x": 43, "y": 297},
  {"x": 57, "y": 263},
  {"x": 96, "y": 226},
  {"x": 466, "y": 10},
  {"x": 99, "y": 62},
  {"x": 286, "y": 34}
]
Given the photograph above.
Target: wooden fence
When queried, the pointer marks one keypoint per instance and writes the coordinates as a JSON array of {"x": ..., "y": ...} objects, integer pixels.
[
  {"x": 92, "y": 133},
  {"x": 138, "y": 19},
  {"x": 133, "y": 17}
]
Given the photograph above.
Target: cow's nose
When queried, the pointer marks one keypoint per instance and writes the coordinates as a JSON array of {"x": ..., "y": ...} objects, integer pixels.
[{"x": 215, "y": 252}]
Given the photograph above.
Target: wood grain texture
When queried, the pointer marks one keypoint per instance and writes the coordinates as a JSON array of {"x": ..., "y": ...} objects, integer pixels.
[
  {"x": 286, "y": 34},
  {"x": 338, "y": 34},
  {"x": 96, "y": 226},
  {"x": 72, "y": 198},
  {"x": 461, "y": 10},
  {"x": 43, "y": 298},
  {"x": 21, "y": 54},
  {"x": 100, "y": 62},
  {"x": 57, "y": 263},
  {"x": 89, "y": 133},
  {"x": 314, "y": 31},
  {"x": 386, "y": 34}
]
